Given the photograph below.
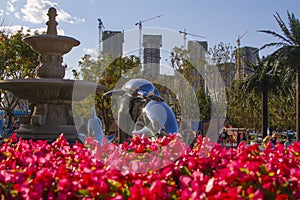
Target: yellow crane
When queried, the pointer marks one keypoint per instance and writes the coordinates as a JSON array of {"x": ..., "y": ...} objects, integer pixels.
[
  {"x": 140, "y": 24},
  {"x": 184, "y": 33},
  {"x": 238, "y": 56}
]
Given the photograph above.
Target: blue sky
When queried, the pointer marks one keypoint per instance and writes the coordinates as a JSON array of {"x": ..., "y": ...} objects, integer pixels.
[{"x": 217, "y": 20}]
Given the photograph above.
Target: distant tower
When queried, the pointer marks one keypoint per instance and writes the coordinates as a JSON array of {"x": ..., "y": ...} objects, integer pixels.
[
  {"x": 100, "y": 27},
  {"x": 197, "y": 52},
  {"x": 152, "y": 45},
  {"x": 197, "y": 49},
  {"x": 248, "y": 55},
  {"x": 113, "y": 44},
  {"x": 227, "y": 72}
]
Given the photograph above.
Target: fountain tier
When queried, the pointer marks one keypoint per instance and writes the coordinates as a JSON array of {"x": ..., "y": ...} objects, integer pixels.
[
  {"x": 50, "y": 90},
  {"x": 51, "y": 48}
]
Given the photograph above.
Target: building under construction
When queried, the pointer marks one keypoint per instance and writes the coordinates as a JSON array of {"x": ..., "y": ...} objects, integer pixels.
[
  {"x": 112, "y": 44},
  {"x": 152, "y": 45}
]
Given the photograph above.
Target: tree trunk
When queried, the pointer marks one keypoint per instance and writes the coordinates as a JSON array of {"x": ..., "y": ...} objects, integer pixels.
[
  {"x": 298, "y": 102},
  {"x": 264, "y": 110}
]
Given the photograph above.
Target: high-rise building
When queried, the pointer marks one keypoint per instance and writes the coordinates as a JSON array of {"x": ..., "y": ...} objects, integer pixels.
[
  {"x": 248, "y": 55},
  {"x": 112, "y": 44},
  {"x": 197, "y": 52},
  {"x": 227, "y": 72},
  {"x": 152, "y": 45},
  {"x": 197, "y": 49}
]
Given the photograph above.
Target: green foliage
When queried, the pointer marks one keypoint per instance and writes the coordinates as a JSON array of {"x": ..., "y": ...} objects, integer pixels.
[
  {"x": 17, "y": 61},
  {"x": 241, "y": 111},
  {"x": 247, "y": 111},
  {"x": 282, "y": 110},
  {"x": 184, "y": 62},
  {"x": 204, "y": 102},
  {"x": 107, "y": 73},
  {"x": 222, "y": 53},
  {"x": 180, "y": 61}
]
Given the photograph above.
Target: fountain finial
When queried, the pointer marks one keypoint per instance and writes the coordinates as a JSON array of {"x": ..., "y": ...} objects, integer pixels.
[
  {"x": 51, "y": 24},
  {"x": 51, "y": 48}
]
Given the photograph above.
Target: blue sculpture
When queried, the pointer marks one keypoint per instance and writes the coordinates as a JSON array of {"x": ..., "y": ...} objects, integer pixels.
[
  {"x": 142, "y": 110},
  {"x": 94, "y": 128}
]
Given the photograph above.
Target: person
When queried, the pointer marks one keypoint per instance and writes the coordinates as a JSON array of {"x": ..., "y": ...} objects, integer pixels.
[
  {"x": 287, "y": 143},
  {"x": 269, "y": 131},
  {"x": 249, "y": 138},
  {"x": 273, "y": 139},
  {"x": 238, "y": 138},
  {"x": 2, "y": 122},
  {"x": 223, "y": 137},
  {"x": 266, "y": 141}
]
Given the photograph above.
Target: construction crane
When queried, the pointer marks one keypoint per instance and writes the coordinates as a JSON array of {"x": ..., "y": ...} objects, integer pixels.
[
  {"x": 140, "y": 24},
  {"x": 100, "y": 27},
  {"x": 238, "y": 56},
  {"x": 185, "y": 34}
]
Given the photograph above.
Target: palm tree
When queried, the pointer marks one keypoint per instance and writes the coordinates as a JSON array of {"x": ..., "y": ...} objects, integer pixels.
[
  {"x": 260, "y": 82},
  {"x": 288, "y": 55}
]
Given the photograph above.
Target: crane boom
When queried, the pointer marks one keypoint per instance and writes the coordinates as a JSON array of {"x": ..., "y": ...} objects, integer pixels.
[
  {"x": 140, "y": 24},
  {"x": 186, "y": 33},
  {"x": 240, "y": 37},
  {"x": 151, "y": 18}
]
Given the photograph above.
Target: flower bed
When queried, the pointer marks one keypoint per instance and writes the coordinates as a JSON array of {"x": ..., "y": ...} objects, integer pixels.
[{"x": 37, "y": 170}]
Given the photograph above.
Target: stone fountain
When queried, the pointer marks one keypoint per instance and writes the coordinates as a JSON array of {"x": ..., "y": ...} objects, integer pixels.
[{"x": 50, "y": 95}]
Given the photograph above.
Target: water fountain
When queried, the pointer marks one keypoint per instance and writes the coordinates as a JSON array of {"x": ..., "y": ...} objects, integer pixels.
[{"x": 50, "y": 95}]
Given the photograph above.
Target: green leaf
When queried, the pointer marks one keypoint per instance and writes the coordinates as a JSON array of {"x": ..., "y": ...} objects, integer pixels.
[
  {"x": 245, "y": 170},
  {"x": 84, "y": 192},
  {"x": 263, "y": 169},
  {"x": 125, "y": 192},
  {"x": 185, "y": 171}
]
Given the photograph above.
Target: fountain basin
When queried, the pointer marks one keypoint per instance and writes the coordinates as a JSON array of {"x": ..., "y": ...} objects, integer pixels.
[
  {"x": 52, "y": 100},
  {"x": 51, "y": 44},
  {"x": 50, "y": 90},
  {"x": 47, "y": 132}
]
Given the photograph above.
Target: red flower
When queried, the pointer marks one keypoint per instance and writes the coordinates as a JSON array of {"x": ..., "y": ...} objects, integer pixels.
[{"x": 112, "y": 171}]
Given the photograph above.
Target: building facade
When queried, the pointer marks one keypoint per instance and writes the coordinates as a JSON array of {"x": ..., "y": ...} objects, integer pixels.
[
  {"x": 152, "y": 45},
  {"x": 227, "y": 72},
  {"x": 197, "y": 53},
  {"x": 248, "y": 55},
  {"x": 112, "y": 45}
]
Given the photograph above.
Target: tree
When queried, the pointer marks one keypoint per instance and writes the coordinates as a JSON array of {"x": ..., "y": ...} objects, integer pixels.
[
  {"x": 106, "y": 72},
  {"x": 222, "y": 53},
  {"x": 241, "y": 111},
  {"x": 17, "y": 61},
  {"x": 184, "y": 62},
  {"x": 261, "y": 82},
  {"x": 282, "y": 109},
  {"x": 288, "y": 55},
  {"x": 204, "y": 102},
  {"x": 180, "y": 61}
]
